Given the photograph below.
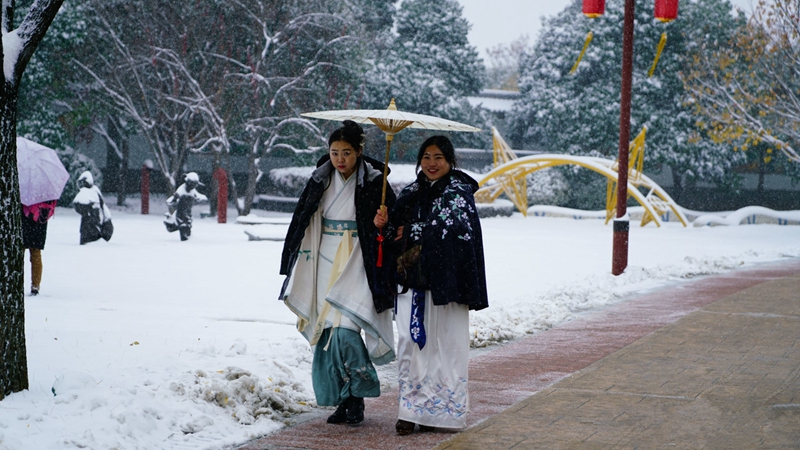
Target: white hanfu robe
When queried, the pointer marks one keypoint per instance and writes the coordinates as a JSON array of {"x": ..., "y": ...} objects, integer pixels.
[
  {"x": 433, "y": 381},
  {"x": 338, "y": 209},
  {"x": 322, "y": 299}
]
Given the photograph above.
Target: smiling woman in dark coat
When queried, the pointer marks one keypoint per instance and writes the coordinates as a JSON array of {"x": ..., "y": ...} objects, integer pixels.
[{"x": 442, "y": 274}]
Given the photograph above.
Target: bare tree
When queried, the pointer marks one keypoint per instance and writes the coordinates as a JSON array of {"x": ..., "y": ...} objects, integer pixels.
[
  {"x": 146, "y": 69},
  {"x": 20, "y": 45},
  {"x": 306, "y": 57},
  {"x": 503, "y": 61},
  {"x": 209, "y": 77},
  {"x": 113, "y": 131},
  {"x": 131, "y": 90}
]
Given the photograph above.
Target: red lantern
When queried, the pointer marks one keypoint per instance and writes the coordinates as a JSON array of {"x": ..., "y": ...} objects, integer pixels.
[
  {"x": 666, "y": 10},
  {"x": 594, "y": 8}
]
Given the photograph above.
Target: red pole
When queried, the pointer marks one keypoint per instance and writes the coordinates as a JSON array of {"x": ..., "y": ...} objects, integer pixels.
[
  {"x": 619, "y": 260},
  {"x": 222, "y": 195},
  {"x": 145, "y": 189}
]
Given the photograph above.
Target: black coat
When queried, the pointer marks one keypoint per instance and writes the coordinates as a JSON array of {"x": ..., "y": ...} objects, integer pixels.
[
  {"x": 34, "y": 234},
  {"x": 95, "y": 217},
  {"x": 442, "y": 217},
  {"x": 368, "y": 201},
  {"x": 182, "y": 201},
  {"x": 90, "y": 223}
]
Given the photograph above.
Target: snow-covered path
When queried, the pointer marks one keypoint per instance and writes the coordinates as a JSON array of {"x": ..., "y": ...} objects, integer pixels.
[{"x": 149, "y": 342}]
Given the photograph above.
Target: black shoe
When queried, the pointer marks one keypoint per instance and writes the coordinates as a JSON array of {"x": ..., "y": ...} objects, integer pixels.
[
  {"x": 355, "y": 410},
  {"x": 404, "y": 427},
  {"x": 340, "y": 415},
  {"x": 34, "y": 291},
  {"x": 426, "y": 428}
]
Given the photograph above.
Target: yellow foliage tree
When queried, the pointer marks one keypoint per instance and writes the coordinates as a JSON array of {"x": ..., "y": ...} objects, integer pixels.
[{"x": 748, "y": 92}]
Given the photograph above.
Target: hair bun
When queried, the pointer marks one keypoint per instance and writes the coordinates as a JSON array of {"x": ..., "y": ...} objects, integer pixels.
[
  {"x": 350, "y": 124},
  {"x": 351, "y": 132}
]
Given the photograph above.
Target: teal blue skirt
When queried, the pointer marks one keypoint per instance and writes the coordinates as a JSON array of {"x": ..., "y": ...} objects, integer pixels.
[{"x": 344, "y": 370}]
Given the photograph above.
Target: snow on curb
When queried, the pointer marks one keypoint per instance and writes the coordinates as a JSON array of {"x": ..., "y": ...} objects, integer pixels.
[
  {"x": 548, "y": 309},
  {"x": 749, "y": 215}
]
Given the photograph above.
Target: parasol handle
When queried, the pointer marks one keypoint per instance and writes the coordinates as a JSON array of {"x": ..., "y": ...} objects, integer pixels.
[{"x": 389, "y": 138}]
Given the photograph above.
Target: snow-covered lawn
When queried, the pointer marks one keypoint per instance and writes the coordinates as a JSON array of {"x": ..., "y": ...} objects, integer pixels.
[{"x": 148, "y": 342}]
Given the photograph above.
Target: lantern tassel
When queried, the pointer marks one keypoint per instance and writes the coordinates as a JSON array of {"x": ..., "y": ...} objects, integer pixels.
[
  {"x": 589, "y": 37},
  {"x": 661, "y": 45}
]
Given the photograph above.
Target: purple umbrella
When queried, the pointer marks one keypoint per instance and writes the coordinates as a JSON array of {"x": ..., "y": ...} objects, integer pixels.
[{"x": 41, "y": 175}]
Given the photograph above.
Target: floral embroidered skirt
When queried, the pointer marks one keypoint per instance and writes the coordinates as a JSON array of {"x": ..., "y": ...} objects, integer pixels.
[
  {"x": 343, "y": 370},
  {"x": 433, "y": 381}
]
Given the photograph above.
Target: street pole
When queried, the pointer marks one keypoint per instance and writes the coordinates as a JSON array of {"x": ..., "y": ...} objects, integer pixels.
[{"x": 619, "y": 260}]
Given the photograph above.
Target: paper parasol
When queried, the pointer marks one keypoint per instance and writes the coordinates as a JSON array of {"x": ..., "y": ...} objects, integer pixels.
[{"x": 391, "y": 121}]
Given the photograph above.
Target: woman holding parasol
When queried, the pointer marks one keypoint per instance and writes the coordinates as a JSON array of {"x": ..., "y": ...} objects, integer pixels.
[{"x": 333, "y": 283}]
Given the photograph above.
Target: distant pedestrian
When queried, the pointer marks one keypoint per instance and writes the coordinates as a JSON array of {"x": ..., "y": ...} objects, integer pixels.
[
  {"x": 442, "y": 274},
  {"x": 95, "y": 215},
  {"x": 180, "y": 205},
  {"x": 34, "y": 235}
]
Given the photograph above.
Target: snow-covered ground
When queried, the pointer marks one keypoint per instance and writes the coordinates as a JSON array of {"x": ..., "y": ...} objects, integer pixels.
[{"x": 148, "y": 342}]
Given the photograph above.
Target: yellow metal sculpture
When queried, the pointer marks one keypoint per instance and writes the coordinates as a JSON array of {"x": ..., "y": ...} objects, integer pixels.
[
  {"x": 510, "y": 172},
  {"x": 589, "y": 37}
]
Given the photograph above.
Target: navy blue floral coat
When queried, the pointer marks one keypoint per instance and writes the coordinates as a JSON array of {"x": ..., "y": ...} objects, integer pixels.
[{"x": 442, "y": 217}]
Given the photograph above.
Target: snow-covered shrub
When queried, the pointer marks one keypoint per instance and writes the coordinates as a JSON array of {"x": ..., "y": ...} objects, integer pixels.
[
  {"x": 290, "y": 181},
  {"x": 586, "y": 189},
  {"x": 247, "y": 396},
  {"x": 499, "y": 208},
  {"x": 547, "y": 187}
]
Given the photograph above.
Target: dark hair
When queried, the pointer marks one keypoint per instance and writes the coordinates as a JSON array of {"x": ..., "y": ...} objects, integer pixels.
[
  {"x": 350, "y": 132},
  {"x": 444, "y": 145}
]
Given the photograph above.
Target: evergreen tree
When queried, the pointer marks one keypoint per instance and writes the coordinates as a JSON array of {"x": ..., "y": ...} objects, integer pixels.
[
  {"x": 429, "y": 68},
  {"x": 578, "y": 113}
]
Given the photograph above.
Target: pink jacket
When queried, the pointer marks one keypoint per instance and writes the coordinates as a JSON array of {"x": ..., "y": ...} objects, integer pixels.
[{"x": 40, "y": 212}]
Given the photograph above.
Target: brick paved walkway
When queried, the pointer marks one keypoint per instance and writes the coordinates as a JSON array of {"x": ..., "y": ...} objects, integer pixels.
[{"x": 713, "y": 363}]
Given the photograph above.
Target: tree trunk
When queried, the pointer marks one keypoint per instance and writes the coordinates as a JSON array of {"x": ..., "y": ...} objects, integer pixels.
[
  {"x": 122, "y": 181},
  {"x": 13, "y": 353},
  {"x": 117, "y": 158},
  {"x": 762, "y": 169},
  {"x": 677, "y": 186},
  {"x": 233, "y": 189},
  {"x": 252, "y": 179},
  {"x": 214, "y": 187}
]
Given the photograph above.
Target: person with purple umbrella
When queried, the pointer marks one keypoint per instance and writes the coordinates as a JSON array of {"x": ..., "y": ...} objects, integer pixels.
[
  {"x": 34, "y": 235},
  {"x": 42, "y": 177}
]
